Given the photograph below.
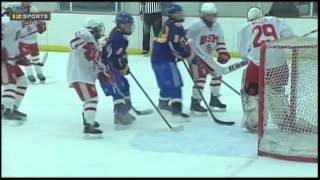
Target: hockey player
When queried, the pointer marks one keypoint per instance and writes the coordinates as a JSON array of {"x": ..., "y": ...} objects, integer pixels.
[
  {"x": 83, "y": 68},
  {"x": 28, "y": 43},
  {"x": 13, "y": 81},
  {"x": 253, "y": 34},
  {"x": 206, "y": 35},
  {"x": 167, "y": 49},
  {"x": 114, "y": 55}
]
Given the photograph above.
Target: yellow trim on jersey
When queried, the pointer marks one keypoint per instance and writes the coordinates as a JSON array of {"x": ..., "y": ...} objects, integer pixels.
[{"x": 163, "y": 38}]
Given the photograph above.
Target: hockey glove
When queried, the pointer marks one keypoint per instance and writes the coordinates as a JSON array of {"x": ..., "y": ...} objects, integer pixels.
[
  {"x": 223, "y": 57},
  {"x": 41, "y": 27},
  {"x": 90, "y": 51}
]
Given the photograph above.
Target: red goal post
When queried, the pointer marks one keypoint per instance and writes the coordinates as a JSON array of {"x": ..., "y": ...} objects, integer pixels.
[{"x": 288, "y": 99}]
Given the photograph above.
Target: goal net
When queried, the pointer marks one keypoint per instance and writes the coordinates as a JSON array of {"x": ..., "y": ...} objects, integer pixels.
[{"x": 288, "y": 99}]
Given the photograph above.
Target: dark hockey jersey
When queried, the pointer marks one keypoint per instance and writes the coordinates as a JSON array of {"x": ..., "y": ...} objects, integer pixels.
[{"x": 170, "y": 44}]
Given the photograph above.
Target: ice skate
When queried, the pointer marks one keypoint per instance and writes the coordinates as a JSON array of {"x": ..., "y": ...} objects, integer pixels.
[
  {"x": 91, "y": 132},
  {"x": 31, "y": 78},
  {"x": 177, "y": 115},
  {"x": 13, "y": 118},
  {"x": 122, "y": 118},
  {"x": 196, "y": 108},
  {"x": 216, "y": 105},
  {"x": 164, "y": 105},
  {"x": 41, "y": 78}
]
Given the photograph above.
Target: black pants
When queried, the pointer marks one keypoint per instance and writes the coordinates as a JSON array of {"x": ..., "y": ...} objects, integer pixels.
[{"x": 154, "y": 20}]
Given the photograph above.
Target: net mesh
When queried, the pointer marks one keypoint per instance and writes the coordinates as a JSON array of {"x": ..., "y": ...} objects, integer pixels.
[{"x": 290, "y": 98}]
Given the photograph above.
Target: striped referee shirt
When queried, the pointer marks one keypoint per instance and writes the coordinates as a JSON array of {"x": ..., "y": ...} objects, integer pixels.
[{"x": 149, "y": 7}]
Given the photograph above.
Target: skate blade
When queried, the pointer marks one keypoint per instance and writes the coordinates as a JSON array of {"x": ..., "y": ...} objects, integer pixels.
[
  {"x": 119, "y": 127},
  {"x": 89, "y": 136},
  {"x": 180, "y": 120},
  {"x": 195, "y": 113},
  {"x": 215, "y": 109},
  {"x": 177, "y": 128},
  {"x": 10, "y": 122}
]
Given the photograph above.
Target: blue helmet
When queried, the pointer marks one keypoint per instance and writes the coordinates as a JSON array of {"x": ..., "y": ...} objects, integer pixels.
[
  {"x": 123, "y": 18},
  {"x": 174, "y": 8}
]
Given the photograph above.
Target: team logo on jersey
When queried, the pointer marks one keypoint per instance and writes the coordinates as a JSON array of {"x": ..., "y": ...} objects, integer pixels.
[
  {"x": 119, "y": 51},
  {"x": 208, "y": 39}
]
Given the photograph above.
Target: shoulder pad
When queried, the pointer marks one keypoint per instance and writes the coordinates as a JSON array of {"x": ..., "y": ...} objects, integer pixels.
[{"x": 85, "y": 35}]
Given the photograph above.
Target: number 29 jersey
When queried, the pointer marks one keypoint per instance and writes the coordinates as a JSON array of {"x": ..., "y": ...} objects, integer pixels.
[{"x": 253, "y": 34}]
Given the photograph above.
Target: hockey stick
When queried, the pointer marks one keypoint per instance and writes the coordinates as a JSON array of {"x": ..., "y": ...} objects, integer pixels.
[
  {"x": 311, "y": 32},
  {"x": 234, "y": 90},
  {"x": 205, "y": 102},
  {"x": 28, "y": 34},
  {"x": 176, "y": 128},
  {"x": 138, "y": 112},
  {"x": 142, "y": 112}
]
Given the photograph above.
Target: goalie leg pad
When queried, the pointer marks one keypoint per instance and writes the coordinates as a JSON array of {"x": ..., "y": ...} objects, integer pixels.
[
  {"x": 250, "y": 111},
  {"x": 251, "y": 79},
  {"x": 249, "y": 102}
]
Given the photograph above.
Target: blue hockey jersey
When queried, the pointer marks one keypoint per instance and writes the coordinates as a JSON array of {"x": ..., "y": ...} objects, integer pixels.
[
  {"x": 170, "y": 44},
  {"x": 114, "y": 53}
]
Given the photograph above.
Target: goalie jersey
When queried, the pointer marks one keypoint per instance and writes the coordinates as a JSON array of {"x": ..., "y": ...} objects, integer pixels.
[
  {"x": 253, "y": 34},
  {"x": 170, "y": 44}
]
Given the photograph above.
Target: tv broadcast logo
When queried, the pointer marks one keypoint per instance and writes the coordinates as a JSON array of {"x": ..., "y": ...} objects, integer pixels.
[{"x": 30, "y": 16}]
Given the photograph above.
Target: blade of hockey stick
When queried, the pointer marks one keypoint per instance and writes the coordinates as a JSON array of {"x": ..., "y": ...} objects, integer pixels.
[
  {"x": 142, "y": 112},
  {"x": 177, "y": 128}
]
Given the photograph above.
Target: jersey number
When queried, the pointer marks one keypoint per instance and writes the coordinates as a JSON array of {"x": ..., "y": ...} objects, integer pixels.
[{"x": 266, "y": 30}]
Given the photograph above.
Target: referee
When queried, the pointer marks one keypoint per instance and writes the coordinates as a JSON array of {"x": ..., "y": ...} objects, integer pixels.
[{"x": 150, "y": 13}]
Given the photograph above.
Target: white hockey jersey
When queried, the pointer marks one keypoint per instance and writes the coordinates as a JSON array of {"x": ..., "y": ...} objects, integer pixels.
[
  {"x": 29, "y": 28},
  {"x": 253, "y": 34},
  {"x": 206, "y": 39},
  {"x": 10, "y": 33},
  {"x": 79, "y": 69}
]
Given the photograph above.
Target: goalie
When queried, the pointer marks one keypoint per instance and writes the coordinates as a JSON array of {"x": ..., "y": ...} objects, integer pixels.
[{"x": 251, "y": 37}]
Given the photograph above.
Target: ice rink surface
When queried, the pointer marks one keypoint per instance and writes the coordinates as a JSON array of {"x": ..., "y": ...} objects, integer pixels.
[{"x": 51, "y": 143}]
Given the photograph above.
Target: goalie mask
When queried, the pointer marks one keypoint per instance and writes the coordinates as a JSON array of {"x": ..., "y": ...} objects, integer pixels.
[{"x": 254, "y": 13}]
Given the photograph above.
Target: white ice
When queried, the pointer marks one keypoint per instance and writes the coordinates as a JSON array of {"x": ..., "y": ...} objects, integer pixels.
[{"x": 51, "y": 143}]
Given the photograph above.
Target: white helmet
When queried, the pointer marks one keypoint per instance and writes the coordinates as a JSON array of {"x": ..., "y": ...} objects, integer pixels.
[
  {"x": 254, "y": 13},
  {"x": 95, "y": 24},
  {"x": 208, "y": 8}
]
